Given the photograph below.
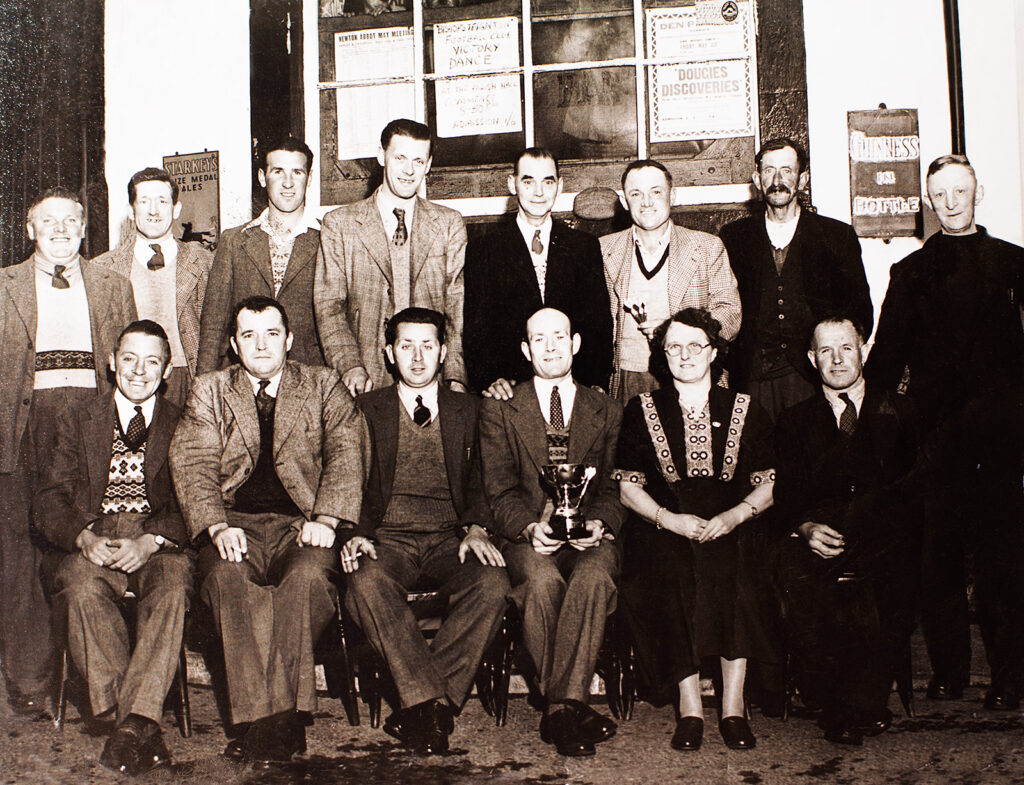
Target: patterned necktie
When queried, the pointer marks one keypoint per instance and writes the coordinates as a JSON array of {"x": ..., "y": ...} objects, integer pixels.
[
  {"x": 401, "y": 235},
  {"x": 135, "y": 434},
  {"x": 537, "y": 246},
  {"x": 156, "y": 261},
  {"x": 264, "y": 402},
  {"x": 59, "y": 281},
  {"x": 421, "y": 414},
  {"x": 848, "y": 419},
  {"x": 557, "y": 419}
]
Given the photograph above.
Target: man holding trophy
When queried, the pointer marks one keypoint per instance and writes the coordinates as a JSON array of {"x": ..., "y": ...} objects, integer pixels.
[{"x": 547, "y": 455}]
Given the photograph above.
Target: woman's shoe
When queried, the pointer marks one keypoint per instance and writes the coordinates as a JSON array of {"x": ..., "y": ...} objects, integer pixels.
[{"x": 689, "y": 733}]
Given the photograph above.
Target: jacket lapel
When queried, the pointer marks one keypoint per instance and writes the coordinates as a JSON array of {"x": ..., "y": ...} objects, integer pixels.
[
  {"x": 99, "y": 291},
  {"x": 620, "y": 260},
  {"x": 186, "y": 276},
  {"x": 291, "y": 399},
  {"x": 98, "y": 440},
  {"x": 240, "y": 399},
  {"x": 21, "y": 286},
  {"x": 584, "y": 425},
  {"x": 386, "y": 411},
  {"x": 421, "y": 238},
  {"x": 303, "y": 253},
  {"x": 158, "y": 440},
  {"x": 257, "y": 247},
  {"x": 528, "y": 422},
  {"x": 681, "y": 266},
  {"x": 373, "y": 237},
  {"x": 450, "y": 413}
]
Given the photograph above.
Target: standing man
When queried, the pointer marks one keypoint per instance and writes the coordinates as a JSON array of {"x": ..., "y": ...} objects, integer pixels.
[
  {"x": 525, "y": 264},
  {"x": 657, "y": 268},
  {"x": 107, "y": 500},
  {"x": 271, "y": 256},
  {"x": 267, "y": 462},
  {"x": 564, "y": 590},
  {"x": 793, "y": 267},
  {"x": 168, "y": 276},
  {"x": 59, "y": 321},
  {"x": 424, "y": 523},
  {"x": 950, "y": 329},
  {"x": 844, "y": 456},
  {"x": 383, "y": 254}
]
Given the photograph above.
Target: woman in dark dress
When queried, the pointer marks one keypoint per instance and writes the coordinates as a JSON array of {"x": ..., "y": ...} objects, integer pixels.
[{"x": 694, "y": 467}]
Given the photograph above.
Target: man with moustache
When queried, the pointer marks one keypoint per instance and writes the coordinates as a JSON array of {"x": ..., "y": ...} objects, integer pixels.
[
  {"x": 843, "y": 460},
  {"x": 107, "y": 500},
  {"x": 168, "y": 276},
  {"x": 655, "y": 269},
  {"x": 793, "y": 266},
  {"x": 59, "y": 321},
  {"x": 271, "y": 256},
  {"x": 950, "y": 333},
  {"x": 564, "y": 589},
  {"x": 268, "y": 461},
  {"x": 524, "y": 264},
  {"x": 390, "y": 251},
  {"x": 424, "y": 524}
]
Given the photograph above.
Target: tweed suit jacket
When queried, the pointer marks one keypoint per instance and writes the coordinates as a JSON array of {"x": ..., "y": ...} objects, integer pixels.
[
  {"x": 513, "y": 447},
  {"x": 192, "y": 269},
  {"x": 74, "y": 481},
  {"x": 320, "y": 444},
  {"x": 111, "y": 308},
  {"x": 699, "y": 276},
  {"x": 457, "y": 416},
  {"x": 353, "y": 291},
  {"x": 242, "y": 268}
]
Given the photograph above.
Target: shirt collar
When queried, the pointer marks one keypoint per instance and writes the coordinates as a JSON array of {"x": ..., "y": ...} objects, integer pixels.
[
  {"x": 144, "y": 252},
  {"x": 855, "y": 393},
  {"x": 305, "y": 223},
  {"x": 272, "y": 388},
  {"x": 126, "y": 409},
  {"x": 663, "y": 241},
  {"x": 407, "y": 395},
  {"x": 528, "y": 230},
  {"x": 544, "y": 386},
  {"x": 72, "y": 267},
  {"x": 387, "y": 202}
]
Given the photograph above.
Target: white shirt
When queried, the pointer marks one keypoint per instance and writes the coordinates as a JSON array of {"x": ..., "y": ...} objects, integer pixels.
[
  {"x": 855, "y": 393},
  {"x": 143, "y": 252},
  {"x": 63, "y": 323},
  {"x": 126, "y": 409},
  {"x": 540, "y": 261},
  {"x": 306, "y": 222},
  {"x": 652, "y": 258},
  {"x": 566, "y": 389},
  {"x": 781, "y": 234},
  {"x": 386, "y": 204},
  {"x": 275, "y": 383},
  {"x": 407, "y": 395}
]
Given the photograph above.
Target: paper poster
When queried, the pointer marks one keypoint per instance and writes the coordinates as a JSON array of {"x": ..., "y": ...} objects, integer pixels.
[
  {"x": 363, "y": 111},
  {"x": 710, "y": 93},
  {"x": 198, "y": 179},
  {"x": 481, "y": 104}
]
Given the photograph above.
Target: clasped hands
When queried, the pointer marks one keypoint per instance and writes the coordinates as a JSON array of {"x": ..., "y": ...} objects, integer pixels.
[
  {"x": 693, "y": 527},
  {"x": 125, "y": 554}
]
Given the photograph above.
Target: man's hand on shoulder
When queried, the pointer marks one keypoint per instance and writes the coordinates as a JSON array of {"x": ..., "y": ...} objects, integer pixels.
[
  {"x": 357, "y": 380},
  {"x": 477, "y": 541},
  {"x": 500, "y": 389},
  {"x": 94, "y": 548},
  {"x": 315, "y": 534},
  {"x": 131, "y": 554},
  {"x": 823, "y": 540}
]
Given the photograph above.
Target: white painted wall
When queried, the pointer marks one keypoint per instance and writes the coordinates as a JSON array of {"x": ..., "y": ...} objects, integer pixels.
[{"x": 177, "y": 80}]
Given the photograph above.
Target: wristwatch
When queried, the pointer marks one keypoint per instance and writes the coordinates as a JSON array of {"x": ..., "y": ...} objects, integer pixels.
[{"x": 160, "y": 541}]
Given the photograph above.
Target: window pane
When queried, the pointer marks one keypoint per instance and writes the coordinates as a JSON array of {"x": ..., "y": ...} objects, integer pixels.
[
  {"x": 477, "y": 149},
  {"x": 582, "y": 40},
  {"x": 590, "y": 7}
]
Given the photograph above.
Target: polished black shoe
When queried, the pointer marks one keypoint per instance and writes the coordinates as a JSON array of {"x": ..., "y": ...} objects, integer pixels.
[
  {"x": 844, "y": 735},
  {"x": 561, "y": 726},
  {"x": 436, "y": 722},
  {"x": 689, "y": 734},
  {"x": 594, "y": 726},
  {"x": 233, "y": 751},
  {"x": 874, "y": 725},
  {"x": 153, "y": 752},
  {"x": 121, "y": 752},
  {"x": 944, "y": 689},
  {"x": 271, "y": 740},
  {"x": 736, "y": 733},
  {"x": 1000, "y": 700},
  {"x": 402, "y": 725},
  {"x": 34, "y": 707}
]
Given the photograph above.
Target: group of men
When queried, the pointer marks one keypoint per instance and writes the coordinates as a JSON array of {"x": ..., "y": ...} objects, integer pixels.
[{"x": 299, "y": 402}]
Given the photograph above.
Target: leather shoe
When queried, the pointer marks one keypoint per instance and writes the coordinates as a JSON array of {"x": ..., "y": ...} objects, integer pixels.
[
  {"x": 876, "y": 725},
  {"x": 152, "y": 753},
  {"x": 233, "y": 751},
  {"x": 736, "y": 733},
  {"x": 689, "y": 734},
  {"x": 402, "y": 725},
  {"x": 121, "y": 751},
  {"x": 35, "y": 707},
  {"x": 944, "y": 689},
  {"x": 436, "y": 723},
  {"x": 594, "y": 726},
  {"x": 1000, "y": 700},
  {"x": 272, "y": 739},
  {"x": 844, "y": 735},
  {"x": 561, "y": 727}
]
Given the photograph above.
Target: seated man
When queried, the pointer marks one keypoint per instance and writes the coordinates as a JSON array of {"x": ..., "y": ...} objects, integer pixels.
[
  {"x": 267, "y": 461},
  {"x": 107, "y": 498},
  {"x": 565, "y": 590},
  {"x": 425, "y": 510},
  {"x": 843, "y": 459}
]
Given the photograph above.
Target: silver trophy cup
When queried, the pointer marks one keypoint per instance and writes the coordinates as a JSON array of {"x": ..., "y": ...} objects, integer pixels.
[{"x": 566, "y": 483}]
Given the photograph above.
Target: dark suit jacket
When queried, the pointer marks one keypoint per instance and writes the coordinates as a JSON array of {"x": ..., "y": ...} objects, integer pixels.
[
  {"x": 458, "y": 420},
  {"x": 111, "y": 308},
  {"x": 320, "y": 444},
  {"x": 502, "y": 293},
  {"x": 852, "y": 484},
  {"x": 513, "y": 447},
  {"x": 242, "y": 268},
  {"x": 833, "y": 280},
  {"x": 71, "y": 493}
]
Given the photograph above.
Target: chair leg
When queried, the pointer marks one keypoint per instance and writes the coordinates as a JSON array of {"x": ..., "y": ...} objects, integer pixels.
[
  {"x": 905, "y": 683},
  {"x": 348, "y": 686},
  {"x": 62, "y": 695},
  {"x": 182, "y": 707},
  {"x": 628, "y": 693},
  {"x": 372, "y": 695}
]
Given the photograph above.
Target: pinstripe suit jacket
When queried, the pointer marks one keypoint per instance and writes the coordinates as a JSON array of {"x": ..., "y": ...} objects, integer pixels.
[
  {"x": 699, "y": 276},
  {"x": 192, "y": 269},
  {"x": 352, "y": 293}
]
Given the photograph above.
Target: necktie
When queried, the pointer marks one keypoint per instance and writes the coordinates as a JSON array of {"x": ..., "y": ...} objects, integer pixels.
[
  {"x": 848, "y": 419},
  {"x": 264, "y": 402},
  {"x": 59, "y": 281},
  {"x": 156, "y": 261},
  {"x": 401, "y": 235},
  {"x": 557, "y": 419},
  {"x": 537, "y": 246},
  {"x": 421, "y": 414},
  {"x": 135, "y": 434}
]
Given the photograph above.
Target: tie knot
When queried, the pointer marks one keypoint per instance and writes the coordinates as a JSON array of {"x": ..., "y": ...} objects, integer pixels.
[
  {"x": 138, "y": 410},
  {"x": 420, "y": 413},
  {"x": 156, "y": 261},
  {"x": 264, "y": 384},
  {"x": 845, "y": 398},
  {"x": 58, "y": 269},
  {"x": 58, "y": 280},
  {"x": 399, "y": 213}
]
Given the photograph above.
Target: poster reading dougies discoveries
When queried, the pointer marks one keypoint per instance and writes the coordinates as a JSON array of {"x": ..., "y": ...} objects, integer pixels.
[
  {"x": 198, "y": 179},
  {"x": 710, "y": 92}
]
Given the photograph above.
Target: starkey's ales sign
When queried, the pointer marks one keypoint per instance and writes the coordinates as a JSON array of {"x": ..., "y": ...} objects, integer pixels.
[
  {"x": 885, "y": 172},
  {"x": 198, "y": 179}
]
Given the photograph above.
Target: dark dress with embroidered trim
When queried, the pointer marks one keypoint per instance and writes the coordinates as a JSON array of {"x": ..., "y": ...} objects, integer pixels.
[{"x": 684, "y": 600}]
